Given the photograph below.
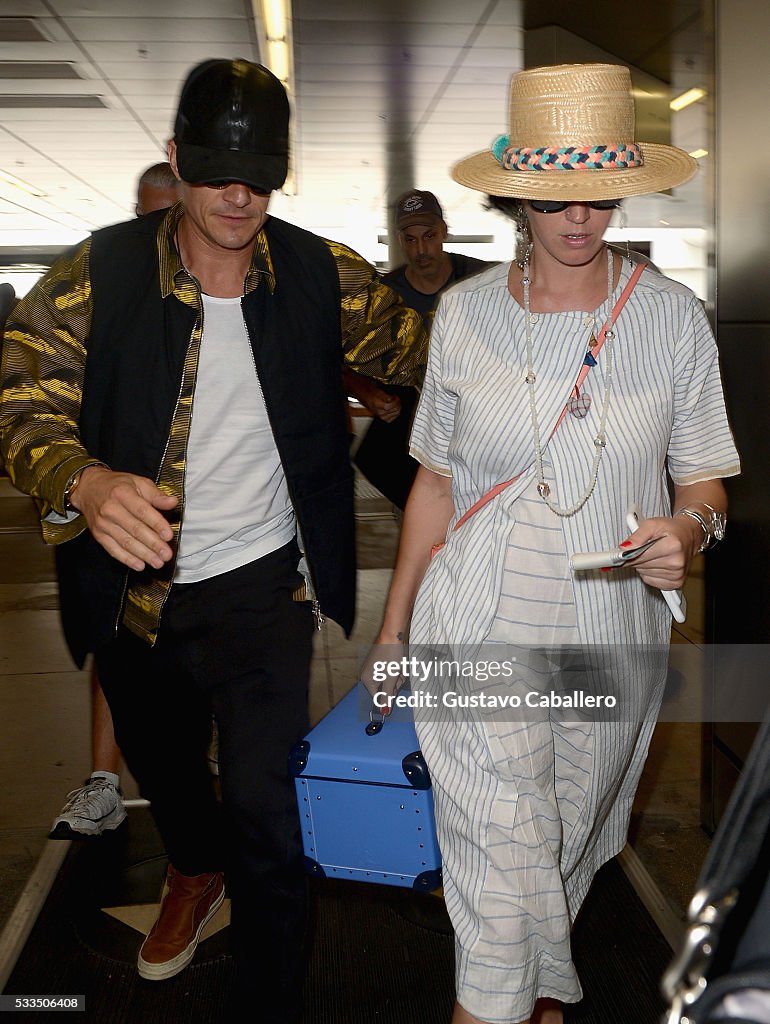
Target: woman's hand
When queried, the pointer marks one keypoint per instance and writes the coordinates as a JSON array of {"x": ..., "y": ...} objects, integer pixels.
[
  {"x": 666, "y": 563},
  {"x": 383, "y": 672}
]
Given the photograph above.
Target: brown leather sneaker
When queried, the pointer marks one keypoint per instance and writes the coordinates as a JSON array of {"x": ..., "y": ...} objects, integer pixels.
[{"x": 188, "y": 904}]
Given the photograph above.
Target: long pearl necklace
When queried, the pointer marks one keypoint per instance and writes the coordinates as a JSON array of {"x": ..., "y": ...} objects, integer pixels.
[{"x": 600, "y": 441}]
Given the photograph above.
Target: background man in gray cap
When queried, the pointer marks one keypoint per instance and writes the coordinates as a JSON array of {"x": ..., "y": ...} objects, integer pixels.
[{"x": 173, "y": 400}]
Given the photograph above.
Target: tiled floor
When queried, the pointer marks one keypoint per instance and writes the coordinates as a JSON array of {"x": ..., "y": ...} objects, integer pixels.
[{"x": 44, "y": 708}]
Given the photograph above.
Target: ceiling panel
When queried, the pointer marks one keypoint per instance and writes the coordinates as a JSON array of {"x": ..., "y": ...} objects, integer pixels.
[
  {"x": 380, "y": 33},
  {"x": 160, "y": 29},
  {"x": 388, "y": 82},
  {"x": 428, "y": 12},
  {"x": 149, "y": 52}
]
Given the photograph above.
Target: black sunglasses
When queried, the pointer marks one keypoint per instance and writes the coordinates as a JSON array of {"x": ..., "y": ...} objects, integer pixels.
[
  {"x": 553, "y": 206},
  {"x": 219, "y": 185}
]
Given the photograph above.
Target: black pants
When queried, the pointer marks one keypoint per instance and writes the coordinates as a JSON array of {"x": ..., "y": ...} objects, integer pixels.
[{"x": 236, "y": 645}]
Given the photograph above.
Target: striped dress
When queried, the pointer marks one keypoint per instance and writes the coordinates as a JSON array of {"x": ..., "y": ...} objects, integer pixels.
[{"x": 530, "y": 804}]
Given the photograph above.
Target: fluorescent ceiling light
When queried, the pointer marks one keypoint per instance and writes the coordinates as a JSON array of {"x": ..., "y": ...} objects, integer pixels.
[
  {"x": 275, "y": 29},
  {"x": 274, "y": 13},
  {"x": 278, "y": 56},
  {"x": 686, "y": 98},
  {"x": 276, "y": 23},
  {"x": 289, "y": 187}
]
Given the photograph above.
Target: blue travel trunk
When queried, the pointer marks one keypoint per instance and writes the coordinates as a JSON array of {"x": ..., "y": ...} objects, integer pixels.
[{"x": 365, "y": 800}]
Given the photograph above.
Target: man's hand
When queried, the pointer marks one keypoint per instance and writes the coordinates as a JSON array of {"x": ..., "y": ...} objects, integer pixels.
[
  {"x": 124, "y": 514},
  {"x": 380, "y": 403}
]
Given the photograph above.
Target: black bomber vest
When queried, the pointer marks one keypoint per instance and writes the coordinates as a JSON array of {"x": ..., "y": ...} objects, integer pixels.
[{"x": 135, "y": 354}]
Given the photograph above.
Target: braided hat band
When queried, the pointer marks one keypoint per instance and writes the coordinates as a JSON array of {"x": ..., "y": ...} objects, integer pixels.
[
  {"x": 575, "y": 118},
  {"x": 566, "y": 158}
]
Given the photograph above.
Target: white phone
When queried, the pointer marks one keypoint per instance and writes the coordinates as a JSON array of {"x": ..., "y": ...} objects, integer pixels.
[
  {"x": 673, "y": 598},
  {"x": 607, "y": 559}
]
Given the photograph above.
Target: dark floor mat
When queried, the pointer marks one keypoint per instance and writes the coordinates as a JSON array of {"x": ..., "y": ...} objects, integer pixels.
[
  {"x": 379, "y": 955},
  {"x": 620, "y": 955}
]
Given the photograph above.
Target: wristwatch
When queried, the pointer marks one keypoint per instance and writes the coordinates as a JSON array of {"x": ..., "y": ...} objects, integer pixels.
[
  {"x": 713, "y": 523},
  {"x": 72, "y": 483}
]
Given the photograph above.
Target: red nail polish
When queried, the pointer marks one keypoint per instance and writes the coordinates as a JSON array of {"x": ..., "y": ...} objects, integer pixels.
[
  {"x": 626, "y": 544},
  {"x": 608, "y": 568}
]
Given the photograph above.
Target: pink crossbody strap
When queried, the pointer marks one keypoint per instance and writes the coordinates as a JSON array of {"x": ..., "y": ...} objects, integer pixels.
[{"x": 499, "y": 488}]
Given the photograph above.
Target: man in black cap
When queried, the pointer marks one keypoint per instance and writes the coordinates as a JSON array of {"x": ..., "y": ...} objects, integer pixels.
[
  {"x": 383, "y": 455},
  {"x": 173, "y": 400}
]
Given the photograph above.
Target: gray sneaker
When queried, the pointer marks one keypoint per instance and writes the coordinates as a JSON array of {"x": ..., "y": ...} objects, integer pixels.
[{"x": 94, "y": 808}]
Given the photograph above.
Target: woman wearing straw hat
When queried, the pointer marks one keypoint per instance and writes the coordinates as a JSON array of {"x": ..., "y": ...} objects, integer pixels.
[{"x": 582, "y": 386}]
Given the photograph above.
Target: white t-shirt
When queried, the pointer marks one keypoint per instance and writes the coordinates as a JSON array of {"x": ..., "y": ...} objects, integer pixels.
[{"x": 237, "y": 505}]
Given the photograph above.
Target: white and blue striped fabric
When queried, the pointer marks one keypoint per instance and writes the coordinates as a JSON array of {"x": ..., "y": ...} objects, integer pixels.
[
  {"x": 473, "y": 424},
  {"x": 528, "y": 810}
]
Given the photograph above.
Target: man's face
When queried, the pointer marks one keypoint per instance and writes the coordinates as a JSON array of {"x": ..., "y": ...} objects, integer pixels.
[
  {"x": 423, "y": 245},
  {"x": 222, "y": 218}
]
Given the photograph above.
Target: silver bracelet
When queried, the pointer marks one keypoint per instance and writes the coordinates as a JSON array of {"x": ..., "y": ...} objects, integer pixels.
[{"x": 713, "y": 527}]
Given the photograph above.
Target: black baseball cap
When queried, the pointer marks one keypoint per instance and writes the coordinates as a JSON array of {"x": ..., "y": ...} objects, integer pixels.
[
  {"x": 416, "y": 207},
  {"x": 233, "y": 125}
]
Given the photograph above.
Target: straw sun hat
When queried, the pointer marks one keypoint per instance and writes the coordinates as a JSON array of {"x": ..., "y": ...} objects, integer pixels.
[{"x": 572, "y": 137}]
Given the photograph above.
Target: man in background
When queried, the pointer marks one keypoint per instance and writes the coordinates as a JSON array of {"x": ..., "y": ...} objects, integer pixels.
[
  {"x": 157, "y": 189},
  {"x": 429, "y": 269},
  {"x": 383, "y": 455}
]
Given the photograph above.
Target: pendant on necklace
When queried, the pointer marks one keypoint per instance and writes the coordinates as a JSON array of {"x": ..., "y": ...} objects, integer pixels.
[
  {"x": 543, "y": 489},
  {"x": 579, "y": 404}
]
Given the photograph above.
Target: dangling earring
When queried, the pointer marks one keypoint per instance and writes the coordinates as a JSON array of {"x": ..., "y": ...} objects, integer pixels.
[
  {"x": 523, "y": 236},
  {"x": 623, "y": 224}
]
